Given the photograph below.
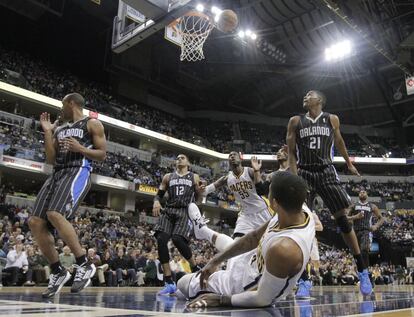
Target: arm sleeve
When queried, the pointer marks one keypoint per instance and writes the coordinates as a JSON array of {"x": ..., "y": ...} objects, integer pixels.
[
  {"x": 262, "y": 188},
  {"x": 270, "y": 288}
]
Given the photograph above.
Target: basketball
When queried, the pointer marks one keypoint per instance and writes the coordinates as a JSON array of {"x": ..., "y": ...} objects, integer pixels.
[{"x": 228, "y": 21}]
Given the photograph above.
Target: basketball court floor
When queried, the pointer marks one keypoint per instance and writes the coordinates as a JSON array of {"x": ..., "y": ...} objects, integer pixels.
[{"x": 390, "y": 301}]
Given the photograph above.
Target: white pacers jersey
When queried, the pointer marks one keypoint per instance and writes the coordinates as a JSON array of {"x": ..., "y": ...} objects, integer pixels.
[
  {"x": 245, "y": 270},
  {"x": 244, "y": 191},
  {"x": 302, "y": 234}
]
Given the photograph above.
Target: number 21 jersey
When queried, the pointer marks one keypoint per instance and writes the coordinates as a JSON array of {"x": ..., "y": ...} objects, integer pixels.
[{"x": 314, "y": 141}]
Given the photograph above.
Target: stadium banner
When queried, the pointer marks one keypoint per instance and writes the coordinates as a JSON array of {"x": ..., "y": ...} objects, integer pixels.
[
  {"x": 53, "y": 103},
  {"x": 112, "y": 182},
  {"x": 409, "y": 83},
  {"x": 410, "y": 262},
  {"x": 147, "y": 189},
  {"x": 23, "y": 164}
]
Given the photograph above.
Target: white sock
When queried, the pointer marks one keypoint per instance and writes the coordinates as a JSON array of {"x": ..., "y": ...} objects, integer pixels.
[
  {"x": 205, "y": 233},
  {"x": 222, "y": 242}
]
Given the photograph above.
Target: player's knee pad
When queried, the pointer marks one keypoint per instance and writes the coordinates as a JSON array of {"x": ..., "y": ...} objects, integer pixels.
[
  {"x": 182, "y": 246},
  {"x": 343, "y": 224},
  {"x": 162, "y": 238},
  {"x": 162, "y": 241},
  {"x": 183, "y": 284}
]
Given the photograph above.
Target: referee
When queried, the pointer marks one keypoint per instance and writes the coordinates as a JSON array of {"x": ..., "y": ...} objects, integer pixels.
[{"x": 310, "y": 140}]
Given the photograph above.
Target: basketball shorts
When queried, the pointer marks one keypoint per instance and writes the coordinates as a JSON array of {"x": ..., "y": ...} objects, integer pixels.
[
  {"x": 325, "y": 182},
  {"x": 175, "y": 221},
  {"x": 247, "y": 222},
  {"x": 364, "y": 240},
  {"x": 63, "y": 192},
  {"x": 314, "y": 255},
  {"x": 235, "y": 280}
]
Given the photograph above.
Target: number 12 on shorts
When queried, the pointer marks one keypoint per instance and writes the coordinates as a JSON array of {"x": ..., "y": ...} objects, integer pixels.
[{"x": 315, "y": 143}]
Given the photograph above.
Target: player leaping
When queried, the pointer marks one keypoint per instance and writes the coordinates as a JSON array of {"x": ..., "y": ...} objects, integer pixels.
[{"x": 310, "y": 139}]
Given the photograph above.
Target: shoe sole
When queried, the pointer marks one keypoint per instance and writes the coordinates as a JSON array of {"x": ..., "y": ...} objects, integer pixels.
[
  {"x": 87, "y": 283},
  {"x": 67, "y": 278}
]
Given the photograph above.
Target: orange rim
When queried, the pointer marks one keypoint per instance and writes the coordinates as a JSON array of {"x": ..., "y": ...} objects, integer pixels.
[{"x": 189, "y": 14}]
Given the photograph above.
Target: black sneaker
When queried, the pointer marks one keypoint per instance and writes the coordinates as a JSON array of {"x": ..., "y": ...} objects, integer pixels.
[
  {"x": 83, "y": 276},
  {"x": 56, "y": 282}
]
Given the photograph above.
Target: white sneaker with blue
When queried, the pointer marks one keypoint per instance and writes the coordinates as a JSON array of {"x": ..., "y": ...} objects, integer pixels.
[
  {"x": 365, "y": 285},
  {"x": 168, "y": 289},
  {"x": 304, "y": 288}
]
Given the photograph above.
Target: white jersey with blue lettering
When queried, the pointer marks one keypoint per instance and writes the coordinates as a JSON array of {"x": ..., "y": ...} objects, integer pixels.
[{"x": 243, "y": 188}]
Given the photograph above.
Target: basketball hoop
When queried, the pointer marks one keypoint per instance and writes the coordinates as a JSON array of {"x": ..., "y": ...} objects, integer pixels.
[{"x": 194, "y": 28}]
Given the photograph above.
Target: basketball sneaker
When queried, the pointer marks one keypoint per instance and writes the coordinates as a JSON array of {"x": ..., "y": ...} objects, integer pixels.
[
  {"x": 199, "y": 223},
  {"x": 56, "y": 282},
  {"x": 83, "y": 276},
  {"x": 168, "y": 289},
  {"x": 365, "y": 285},
  {"x": 304, "y": 288}
]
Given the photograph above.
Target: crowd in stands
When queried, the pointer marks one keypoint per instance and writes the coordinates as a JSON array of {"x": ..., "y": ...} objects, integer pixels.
[
  {"x": 38, "y": 76},
  {"x": 124, "y": 250},
  {"x": 398, "y": 227},
  {"x": 390, "y": 191},
  {"x": 56, "y": 83},
  {"x": 343, "y": 272}
]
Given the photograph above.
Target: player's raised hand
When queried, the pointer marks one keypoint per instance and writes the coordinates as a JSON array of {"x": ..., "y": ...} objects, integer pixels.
[
  {"x": 256, "y": 164},
  {"x": 45, "y": 122},
  {"x": 156, "y": 208},
  {"x": 353, "y": 170}
]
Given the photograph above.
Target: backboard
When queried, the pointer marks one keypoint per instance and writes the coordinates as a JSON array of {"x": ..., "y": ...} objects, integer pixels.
[{"x": 139, "y": 19}]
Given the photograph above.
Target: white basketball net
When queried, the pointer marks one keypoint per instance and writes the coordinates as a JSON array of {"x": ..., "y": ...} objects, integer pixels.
[{"x": 194, "y": 30}]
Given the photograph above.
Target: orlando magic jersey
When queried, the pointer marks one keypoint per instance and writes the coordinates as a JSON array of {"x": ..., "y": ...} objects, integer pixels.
[
  {"x": 366, "y": 210},
  {"x": 79, "y": 131},
  {"x": 181, "y": 190},
  {"x": 314, "y": 141}
]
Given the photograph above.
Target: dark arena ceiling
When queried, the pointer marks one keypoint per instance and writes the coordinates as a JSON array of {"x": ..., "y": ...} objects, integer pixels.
[{"x": 366, "y": 88}]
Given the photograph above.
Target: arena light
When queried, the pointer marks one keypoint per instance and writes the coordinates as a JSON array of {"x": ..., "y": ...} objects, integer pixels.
[
  {"x": 338, "y": 51},
  {"x": 216, "y": 10},
  {"x": 200, "y": 7},
  {"x": 253, "y": 36},
  {"x": 241, "y": 34}
]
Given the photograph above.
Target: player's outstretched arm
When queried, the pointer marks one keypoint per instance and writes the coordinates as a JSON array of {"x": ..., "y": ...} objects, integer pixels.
[
  {"x": 205, "y": 190},
  {"x": 340, "y": 144},
  {"x": 291, "y": 143},
  {"x": 240, "y": 246}
]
